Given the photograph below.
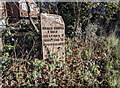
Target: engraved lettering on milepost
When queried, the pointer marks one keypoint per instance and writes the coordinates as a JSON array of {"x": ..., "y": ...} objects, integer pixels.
[{"x": 53, "y": 35}]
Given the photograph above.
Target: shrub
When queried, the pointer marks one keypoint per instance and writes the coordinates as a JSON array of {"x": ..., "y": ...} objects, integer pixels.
[{"x": 94, "y": 64}]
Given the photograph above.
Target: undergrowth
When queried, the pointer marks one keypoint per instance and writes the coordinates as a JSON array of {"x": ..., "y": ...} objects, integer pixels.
[{"x": 93, "y": 64}]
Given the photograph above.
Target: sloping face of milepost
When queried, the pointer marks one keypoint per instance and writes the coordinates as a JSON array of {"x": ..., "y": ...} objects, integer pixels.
[{"x": 53, "y": 36}]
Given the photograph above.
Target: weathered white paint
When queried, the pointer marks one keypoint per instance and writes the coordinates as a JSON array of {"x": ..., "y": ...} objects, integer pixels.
[
  {"x": 53, "y": 36},
  {"x": 2, "y": 24}
]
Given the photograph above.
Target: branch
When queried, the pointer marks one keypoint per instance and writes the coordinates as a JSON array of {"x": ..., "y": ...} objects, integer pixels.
[{"x": 30, "y": 18}]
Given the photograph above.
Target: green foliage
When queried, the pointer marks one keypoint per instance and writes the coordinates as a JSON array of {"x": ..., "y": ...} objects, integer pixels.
[
  {"x": 92, "y": 65},
  {"x": 8, "y": 46},
  {"x": 77, "y": 17},
  {"x": 90, "y": 60},
  {"x": 113, "y": 59}
]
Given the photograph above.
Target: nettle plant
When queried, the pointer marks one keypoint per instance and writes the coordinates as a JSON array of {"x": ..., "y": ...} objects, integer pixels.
[
  {"x": 85, "y": 65},
  {"x": 113, "y": 61},
  {"x": 8, "y": 42}
]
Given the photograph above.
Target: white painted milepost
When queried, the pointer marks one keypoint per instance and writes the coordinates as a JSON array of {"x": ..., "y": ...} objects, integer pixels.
[{"x": 53, "y": 36}]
